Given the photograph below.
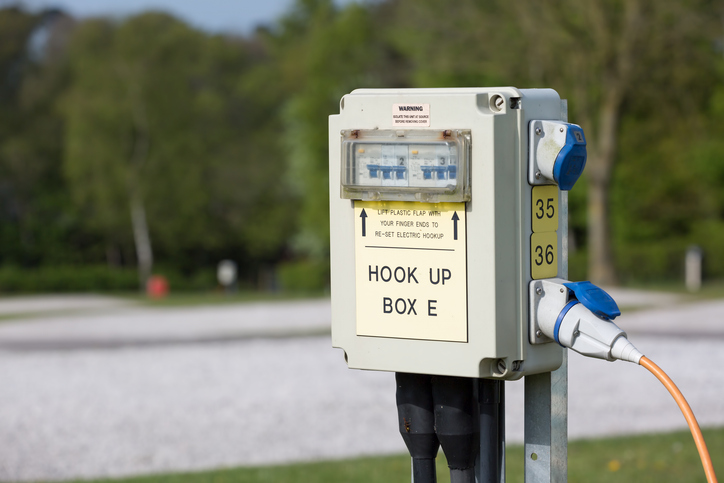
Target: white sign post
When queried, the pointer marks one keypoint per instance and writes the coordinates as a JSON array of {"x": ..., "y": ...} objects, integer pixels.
[{"x": 226, "y": 274}]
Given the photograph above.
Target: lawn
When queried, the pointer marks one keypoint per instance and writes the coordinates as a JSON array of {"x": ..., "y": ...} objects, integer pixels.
[{"x": 660, "y": 458}]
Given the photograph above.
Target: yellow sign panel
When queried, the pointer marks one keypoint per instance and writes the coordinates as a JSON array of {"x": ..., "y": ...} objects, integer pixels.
[
  {"x": 411, "y": 272},
  {"x": 545, "y": 209},
  {"x": 544, "y": 255}
]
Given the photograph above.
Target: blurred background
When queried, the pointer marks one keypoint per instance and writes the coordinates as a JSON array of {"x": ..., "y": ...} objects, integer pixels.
[
  {"x": 143, "y": 142},
  {"x": 161, "y": 141}
]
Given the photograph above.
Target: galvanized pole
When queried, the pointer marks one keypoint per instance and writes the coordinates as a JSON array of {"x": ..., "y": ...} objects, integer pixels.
[
  {"x": 546, "y": 397},
  {"x": 546, "y": 426}
]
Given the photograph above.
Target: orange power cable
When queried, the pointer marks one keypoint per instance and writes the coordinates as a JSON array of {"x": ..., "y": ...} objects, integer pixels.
[{"x": 688, "y": 414}]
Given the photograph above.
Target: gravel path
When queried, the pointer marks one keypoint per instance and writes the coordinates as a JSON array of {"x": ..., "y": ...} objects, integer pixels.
[
  {"x": 58, "y": 303},
  {"x": 91, "y": 413},
  {"x": 120, "y": 326},
  {"x": 94, "y": 413},
  {"x": 103, "y": 410}
]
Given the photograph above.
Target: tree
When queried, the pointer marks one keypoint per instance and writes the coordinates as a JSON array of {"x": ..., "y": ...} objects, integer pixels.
[
  {"x": 35, "y": 225},
  {"x": 606, "y": 53},
  {"x": 161, "y": 144},
  {"x": 602, "y": 55},
  {"x": 323, "y": 53}
]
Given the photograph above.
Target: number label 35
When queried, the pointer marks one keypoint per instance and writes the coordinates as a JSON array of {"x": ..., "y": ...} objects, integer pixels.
[{"x": 544, "y": 209}]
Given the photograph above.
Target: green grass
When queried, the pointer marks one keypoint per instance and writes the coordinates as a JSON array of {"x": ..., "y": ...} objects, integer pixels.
[{"x": 660, "y": 458}]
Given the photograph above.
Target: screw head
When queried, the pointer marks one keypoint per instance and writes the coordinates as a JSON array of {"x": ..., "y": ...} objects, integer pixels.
[
  {"x": 539, "y": 290},
  {"x": 562, "y": 129},
  {"x": 538, "y": 333},
  {"x": 562, "y": 290},
  {"x": 538, "y": 131},
  {"x": 501, "y": 366},
  {"x": 537, "y": 175},
  {"x": 499, "y": 102},
  {"x": 576, "y": 333}
]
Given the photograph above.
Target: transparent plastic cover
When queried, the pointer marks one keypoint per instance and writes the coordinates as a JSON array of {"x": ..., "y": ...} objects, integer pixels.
[{"x": 408, "y": 165}]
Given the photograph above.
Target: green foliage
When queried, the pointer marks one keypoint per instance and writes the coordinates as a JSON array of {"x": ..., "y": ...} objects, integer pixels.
[
  {"x": 88, "y": 278},
  {"x": 156, "y": 107},
  {"x": 167, "y": 114},
  {"x": 95, "y": 278},
  {"x": 577, "y": 263},
  {"x": 664, "y": 73},
  {"x": 709, "y": 236},
  {"x": 16, "y": 26},
  {"x": 667, "y": 191},
  {"x": 33, "y": 224},
  {"x": 202, "y": 280},
  {"x": 304, "y": 275},
  {"x": 326, "y": 53},
  {"x": 224, "y": 140}
]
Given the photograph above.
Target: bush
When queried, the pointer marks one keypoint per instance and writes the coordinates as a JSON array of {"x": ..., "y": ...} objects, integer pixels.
[
  {"x": 304, "y": 275},
  {"x": 709, "y": 235},
  {"x": 664, "y": 259},
  {"x": 94, "y": 278},
  {"x": 201, "y": 280},
  {"x": 578, "y": 265},
  {"x": 66, "y": 279},
  {"x": 649, "y": 261}
]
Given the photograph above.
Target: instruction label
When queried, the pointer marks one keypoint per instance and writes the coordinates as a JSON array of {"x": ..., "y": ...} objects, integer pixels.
[
  {"x": 411, "y": 272},
  {"x": 417, "y": 115}
]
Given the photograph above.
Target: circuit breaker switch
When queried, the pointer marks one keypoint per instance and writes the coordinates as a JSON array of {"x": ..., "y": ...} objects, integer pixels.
[
  {"x": 406, "y": 165},
  {"x": 557, "y": 153}
]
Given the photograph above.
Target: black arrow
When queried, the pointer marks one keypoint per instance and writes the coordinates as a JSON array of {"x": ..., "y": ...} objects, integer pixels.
[
  {"x": 363, "y": 215},
  {"x": 455, "y": 219}
]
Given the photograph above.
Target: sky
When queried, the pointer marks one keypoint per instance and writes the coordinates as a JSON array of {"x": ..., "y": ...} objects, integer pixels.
[{"x": 234, "y": 16}]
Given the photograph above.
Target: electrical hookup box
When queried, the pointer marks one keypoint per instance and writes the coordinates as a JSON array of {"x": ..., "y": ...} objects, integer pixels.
[{"x": 445, "y": 204}]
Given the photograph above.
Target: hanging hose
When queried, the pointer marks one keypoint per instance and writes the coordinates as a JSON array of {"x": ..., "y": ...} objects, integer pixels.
[
  {"x": 688, "y": 415},
  {"x": 585, "y": 326}
]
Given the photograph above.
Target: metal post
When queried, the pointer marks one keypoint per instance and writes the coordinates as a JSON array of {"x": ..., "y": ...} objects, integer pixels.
[
  {"x": 546, "y": 395},
  {"x": 693, "y": 268},
  {"x": 490, "y": 464},
  {"x": 546, "y": 426}
]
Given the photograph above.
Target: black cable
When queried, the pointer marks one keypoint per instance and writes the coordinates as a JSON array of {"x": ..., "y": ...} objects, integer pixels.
[
  {"x": 417, "y": 424},
  {"x": 455, "y": 425},
  {"x": 491, "y": 407}
]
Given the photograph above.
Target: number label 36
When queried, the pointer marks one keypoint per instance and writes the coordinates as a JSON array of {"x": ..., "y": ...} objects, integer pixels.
[{"x": 544, "y": 255}]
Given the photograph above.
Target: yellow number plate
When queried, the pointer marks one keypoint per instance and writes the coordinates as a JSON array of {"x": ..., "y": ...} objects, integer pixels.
[
  {"x": 543, "y": 255},
  {"x": 544, "y": 209}
]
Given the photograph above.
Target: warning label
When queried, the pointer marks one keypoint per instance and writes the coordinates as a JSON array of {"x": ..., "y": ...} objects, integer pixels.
[
  {"x": 411, "y": 115},
  {"x": 411, "y": 274}
]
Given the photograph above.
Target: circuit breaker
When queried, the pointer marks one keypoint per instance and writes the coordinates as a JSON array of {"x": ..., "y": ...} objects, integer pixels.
[{"x": 445, "y": 204}]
